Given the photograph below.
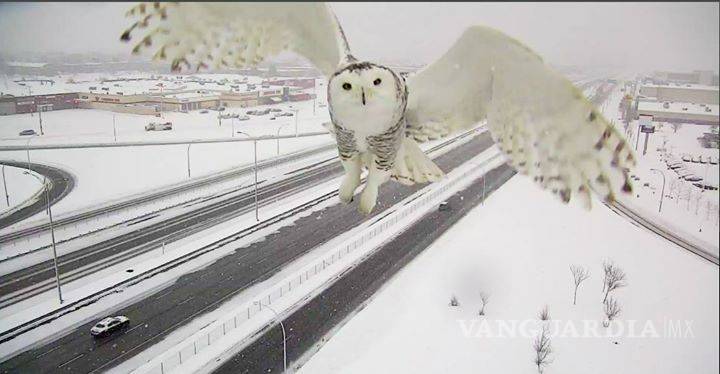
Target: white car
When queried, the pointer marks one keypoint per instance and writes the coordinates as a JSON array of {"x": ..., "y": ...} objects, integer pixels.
[
  {"x": 108, "y": 325},
  {"x": 154, "y": 126}
]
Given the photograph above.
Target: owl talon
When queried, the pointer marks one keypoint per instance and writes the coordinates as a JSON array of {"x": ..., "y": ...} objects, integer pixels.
[{"x": 368, "y": 199}]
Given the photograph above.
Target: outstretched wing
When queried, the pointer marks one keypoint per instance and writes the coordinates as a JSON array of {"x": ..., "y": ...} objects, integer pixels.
[
  {"x": 196, "y": 35},
  {"x": 543, "y": 123}
]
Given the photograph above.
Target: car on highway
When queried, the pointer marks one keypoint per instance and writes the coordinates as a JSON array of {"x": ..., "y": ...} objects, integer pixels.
[
  {"x": 444, "y": 206},
  {"x": 27, "y": 132},
  {"x": 109, "y": 325},
  {"x": 155, "y": 126},
  {"x": 286, "y": 114}
]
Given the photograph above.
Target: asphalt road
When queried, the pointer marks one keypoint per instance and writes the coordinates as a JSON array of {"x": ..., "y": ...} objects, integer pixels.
[
  {"x": 62, "y": 183},
  {"x": 204, "y": 290},
  {"x": 307, "y": 327}
]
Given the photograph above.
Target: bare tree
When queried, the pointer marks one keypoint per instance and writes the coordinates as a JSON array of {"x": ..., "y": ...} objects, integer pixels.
[
  {"x": 484, "y": 300},
  {"x": 543, "y": 349},
  {"x": 579, "y": 274},
  {"x": 676, "y": 127},
  {"x": 454, "y": 301},
  {"x": 544, "y": 314},
  {"x": 612, "y": 310},
  {"x": 614, "y": 278}
]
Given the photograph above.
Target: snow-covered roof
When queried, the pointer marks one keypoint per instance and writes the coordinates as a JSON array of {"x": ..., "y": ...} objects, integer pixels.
[{"x": 679, "y": 107}]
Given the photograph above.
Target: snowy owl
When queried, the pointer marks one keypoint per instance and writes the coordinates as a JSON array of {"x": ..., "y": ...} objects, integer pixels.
[{"x": 542, "y": 123}]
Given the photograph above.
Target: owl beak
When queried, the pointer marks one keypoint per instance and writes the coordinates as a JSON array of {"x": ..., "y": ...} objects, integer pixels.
[{"x": 363, "y": 95}]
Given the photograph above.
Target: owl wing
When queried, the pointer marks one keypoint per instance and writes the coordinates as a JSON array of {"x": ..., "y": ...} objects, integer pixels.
[
  {"x": 541, "y": 122},
  {"x": 215, "y": 35}
]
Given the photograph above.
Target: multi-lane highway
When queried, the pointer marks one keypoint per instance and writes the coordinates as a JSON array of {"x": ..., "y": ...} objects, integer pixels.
[
  {"x": 204, "y": 290},
  {"x": 61, "y": 183},
  {"x": 150, "y": 197},
  {"x": 309, "y": 325},
  {"x": 199, "y": 215}
]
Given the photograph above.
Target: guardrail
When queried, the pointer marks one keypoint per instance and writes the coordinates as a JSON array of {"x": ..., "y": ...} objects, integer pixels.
[{"x": 395, "y": 222}]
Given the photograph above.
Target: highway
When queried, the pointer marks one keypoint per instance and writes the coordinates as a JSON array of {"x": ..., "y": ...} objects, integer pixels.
[
  {"x": 307, "y": 327},
  {"x": 204, "y": 290},
  {"x": 27, "y": 282},
  {"x": 161, "y": 194},
  {"x": 61, "y": 183}
]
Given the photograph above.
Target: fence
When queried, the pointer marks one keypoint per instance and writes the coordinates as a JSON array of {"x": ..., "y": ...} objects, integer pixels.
[{"x": 201, "y": 341}]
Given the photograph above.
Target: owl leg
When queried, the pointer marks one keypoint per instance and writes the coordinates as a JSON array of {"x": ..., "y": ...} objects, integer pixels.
[
  {"x": 376, "y": 177},
  {"x": 351, "y": 180}
]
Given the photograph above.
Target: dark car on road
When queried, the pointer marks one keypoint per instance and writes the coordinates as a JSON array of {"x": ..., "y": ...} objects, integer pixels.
[
  {"x": 109, "y": 325},
  {"x": 27, "y": 132}
]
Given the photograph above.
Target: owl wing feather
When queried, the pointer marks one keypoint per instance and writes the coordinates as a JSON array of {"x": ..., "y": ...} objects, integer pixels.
[
  {"x": 197, "y": 35},
  {"x": 541, "y": 122}
]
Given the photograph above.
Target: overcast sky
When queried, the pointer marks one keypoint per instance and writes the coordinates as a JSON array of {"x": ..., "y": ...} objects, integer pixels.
[{"x": 677, "y": 36}]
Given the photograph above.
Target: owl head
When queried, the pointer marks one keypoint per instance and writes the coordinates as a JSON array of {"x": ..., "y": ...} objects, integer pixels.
[{"x": 366, "y": 87}]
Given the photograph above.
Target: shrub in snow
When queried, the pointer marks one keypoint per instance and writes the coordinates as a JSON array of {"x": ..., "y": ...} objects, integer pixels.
[
  {"x": 544, "y": 314},
  {"x": 484, "y": 300},
  {"x": 612, "y": 310},
  {"x": 579, "y": 274},
  {"x": 614, "y": 278},
  {"x": 454, "y": 301},
  {"x": 542, "y": 348}
]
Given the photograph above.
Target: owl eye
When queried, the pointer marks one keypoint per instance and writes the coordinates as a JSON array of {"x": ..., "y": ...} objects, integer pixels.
[
  {"x": 377, "y": 81},
  {"x": 346, "y": 86}
]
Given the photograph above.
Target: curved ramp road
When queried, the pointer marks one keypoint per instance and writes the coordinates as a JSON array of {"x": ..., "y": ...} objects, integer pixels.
[
  {"x": 204, "y": 290},
  {"x": 61, "y": 183}
]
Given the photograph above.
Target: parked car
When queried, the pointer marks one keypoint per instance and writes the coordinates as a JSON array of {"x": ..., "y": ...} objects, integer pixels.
[
  {"x": 203, "y": 111},
  {"x": 156, "y": 126},
  {"x": 275, "y": 110},
  {"x": 27, "y": 132},
  {"x": 286, "y": 114},
  {"x": 272, "y": 118},
  {"x": 693, "y": 178},
  {"x": 243, "y": 118},
  {"x": 109, "y": 325}
]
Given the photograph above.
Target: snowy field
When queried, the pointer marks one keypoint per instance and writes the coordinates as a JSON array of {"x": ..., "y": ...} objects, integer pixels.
[
  {"x": 511, "y": 251},
  {"x": 109, "y": 173},
  {"x": 19, "y": 186}
]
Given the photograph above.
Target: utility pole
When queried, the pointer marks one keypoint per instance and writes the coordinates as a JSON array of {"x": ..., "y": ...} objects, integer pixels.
[{"x": 39, "y": 110}]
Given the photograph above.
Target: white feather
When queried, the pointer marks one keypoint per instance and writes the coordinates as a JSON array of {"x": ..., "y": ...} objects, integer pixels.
[
  {"x": 542, "y": 122},
  {"x": 198, "y": 34}
]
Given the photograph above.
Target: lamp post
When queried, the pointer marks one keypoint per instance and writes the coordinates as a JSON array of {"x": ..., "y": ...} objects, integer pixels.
[
  {"x": 114, "y": 129},
  {"x": 296, "y": 120},
  {"x": 188, "y": 159},
  {"x": 255, "y": 170},
  {"x": 662, "y": 193},
  {"x": 7, "y": 197},
  {"x": 282, "y": 326},
  {"x": 27, "y": 146},
  {"x": 277, "y": 136},
  {"x": 46, "y": 185}
]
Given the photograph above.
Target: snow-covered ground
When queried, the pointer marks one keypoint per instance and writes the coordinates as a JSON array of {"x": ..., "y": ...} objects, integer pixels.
[
  {"x": 104, "y": 174},
  {"x": 19, "y": 186},
  {"x": 695, "y": 214},
  {"x": 517, "y": 248}
]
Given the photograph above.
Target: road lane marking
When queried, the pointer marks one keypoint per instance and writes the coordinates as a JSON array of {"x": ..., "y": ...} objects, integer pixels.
[{"x": 75, "y": 358}]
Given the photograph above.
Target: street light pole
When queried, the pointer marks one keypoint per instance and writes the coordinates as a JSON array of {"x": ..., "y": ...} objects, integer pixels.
[
  {"x": 114, "y": 129},
  {"x": 662, "y": 193},
  {"x": 282, "y": 326},
  {"x": 257, "y": 216},
  {"x": 188, "y": 159},
  {"x": 46, "y": 185},
  {"x": 27, "y": 145},
  {"x": 39, "y": 110},
  {"x": 277, "y": 136},
  {"x": 7, "y": 197}
]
